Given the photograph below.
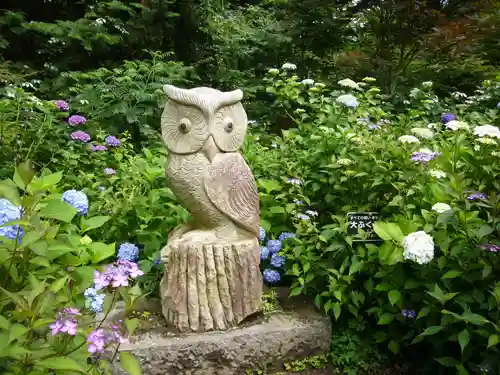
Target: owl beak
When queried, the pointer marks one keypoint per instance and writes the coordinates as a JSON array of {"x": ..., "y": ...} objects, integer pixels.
[{"x": 210, "y": 149}]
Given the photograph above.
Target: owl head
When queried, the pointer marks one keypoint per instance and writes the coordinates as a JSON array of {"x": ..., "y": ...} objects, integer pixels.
[{"x": 193, "y": 119}]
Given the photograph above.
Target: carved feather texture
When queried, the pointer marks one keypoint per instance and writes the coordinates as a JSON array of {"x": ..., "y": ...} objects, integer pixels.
[{"x": 230, "y": 186}]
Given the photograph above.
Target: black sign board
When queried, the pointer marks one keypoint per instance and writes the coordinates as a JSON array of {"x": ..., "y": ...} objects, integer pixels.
[{"x": 362, "y": 221}]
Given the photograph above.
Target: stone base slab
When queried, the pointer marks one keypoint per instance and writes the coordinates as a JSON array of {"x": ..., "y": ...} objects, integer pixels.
[{"x": 279, "y": 338}]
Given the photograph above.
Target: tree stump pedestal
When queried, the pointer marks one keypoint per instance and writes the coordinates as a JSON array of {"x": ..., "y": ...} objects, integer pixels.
[{"x": 211, "y": 286}]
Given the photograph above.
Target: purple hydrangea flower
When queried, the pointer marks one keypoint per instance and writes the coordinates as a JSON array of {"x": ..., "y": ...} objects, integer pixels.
[
  {"x": 477, "y": 196},
  {"x": 77, "y": 120},
  {"x": 101, "y": 188},
  {"x": 373, "y": 126},
  {"x": 128, "y": 251},
  {"x": 423, "y": 157},
  {"x": 99, "y": 339},
  {"x": 99, "y": 148},
  {"x": 117, "y": 274},
  {"x": 109, "y": 171},
  {"x": 271, "y": 276},
  {"x": 274, "y": 246},
  {"x": 96, "y": 341},
  {"x": 62, "y": 105},
  {"x": 298, "y": 202},
  {"x": 283, "y": 236},
  {"x": 490, "y": 247},
  {"x": 303, "y": 217},
  {"x": 80, "y": 136},
  {"x": 262, "y": 234},
  {"x": 277, "y": 261},
  {"x": 112, "y": 141},
  {"x": 447, "y": 117},
  {"x": 407, "y": 313},
  {"x": 157, "y": 261},
  {"x": 66, "y": 322},
  {"x": 264, "y": 253}
]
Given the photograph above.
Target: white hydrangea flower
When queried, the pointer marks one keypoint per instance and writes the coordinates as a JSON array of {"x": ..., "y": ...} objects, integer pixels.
[
  {"x": 477, "y": 148},
  {"x": 348, "y": 100},
  {"x": 427, "y": 84},
  {"x": 423, "y": 133},
  {"x": 289, "y": 66},
  {"x": 441, "y": 207},
  {"x": 433, "y": 125},
  {"x": 308, "y": 81},
  {"x": 408, "y": 139},
  {"x": 273, "y": 71},
  {"x": 487, "y": 131},
  {"x": 456, "y": 125},
  {"x": 459, "y": 95},
  {"x": 418, "y": 247},
  {"x": 414, "y": 92},
  {"x": 436, "y": 173},
  {"x": 426, "y": 151},
  {"x": 348, "y": 83},
  {"x": 100, "y": 21},
  {"x": 486, "y": 141},
  {"x": 344, "y": 161}
]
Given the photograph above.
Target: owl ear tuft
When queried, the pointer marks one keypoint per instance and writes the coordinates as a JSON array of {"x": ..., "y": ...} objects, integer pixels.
[
  {"x": 169, "y": 90},
  {"x": 230, "y": 98}
]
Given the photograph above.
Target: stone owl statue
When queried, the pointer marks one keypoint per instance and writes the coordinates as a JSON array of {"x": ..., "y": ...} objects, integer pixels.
[{"x": 203, "y": 129}]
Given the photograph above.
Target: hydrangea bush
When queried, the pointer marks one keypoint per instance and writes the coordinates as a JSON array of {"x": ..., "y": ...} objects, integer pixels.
[
  {"x": 48, "y": 262},
  {"x": 430, "y": 167}
]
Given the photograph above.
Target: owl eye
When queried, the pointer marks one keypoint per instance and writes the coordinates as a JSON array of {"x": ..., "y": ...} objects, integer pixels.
[
  {"x": 184, "y": 125},
  {"x": 229, "y": 125}
]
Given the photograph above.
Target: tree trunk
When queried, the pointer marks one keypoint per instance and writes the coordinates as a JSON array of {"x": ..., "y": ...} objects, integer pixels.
[{"x": 211, "y": 286}]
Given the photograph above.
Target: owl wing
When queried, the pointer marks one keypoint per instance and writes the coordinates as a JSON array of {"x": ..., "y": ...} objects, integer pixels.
[{"x": 230, "y": 186}]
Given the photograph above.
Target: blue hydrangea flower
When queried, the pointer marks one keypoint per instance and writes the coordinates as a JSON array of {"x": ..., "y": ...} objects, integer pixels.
[
  {"x": 97, "y": 303},
  {"x": 93, "y": 300},
  {"x": 408, "y": 313},
  {"x": 9, "y": 212},
  {"x": 277, "y": 261},
  {"x": 498, "y": 105},
  {"x": 477, "y": 196},
  {"x": 283, "y": 236},
  {"x": 447, "y": 117},
  {"x": 274, "y": 246},
  {"x": 264, "y": 253},
  {"x": 77, "y": 199},
  {"x": 157, "y": 261},
  {"x": 128, "y": 251},
  {"x": 262, "y": 234},
  {"x": 271, "y": 276}
]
